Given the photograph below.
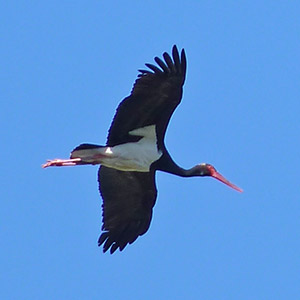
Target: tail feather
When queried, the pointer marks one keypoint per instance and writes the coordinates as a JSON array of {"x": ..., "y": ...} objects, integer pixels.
[
  {"x": 86, "y": 146},
  {"x": 86, "y": 152}
]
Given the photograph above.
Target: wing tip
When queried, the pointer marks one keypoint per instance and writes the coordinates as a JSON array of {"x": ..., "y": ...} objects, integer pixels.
[
  {"x": 169, "y": 65},
  {"x": 109, "y": 243},
  {"x": 119, "y": 239}
]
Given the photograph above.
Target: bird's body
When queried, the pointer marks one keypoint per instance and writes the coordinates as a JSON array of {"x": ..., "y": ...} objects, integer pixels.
[
  {"x": 132, "y": 156},
  {"x": 135, "y": 150}
]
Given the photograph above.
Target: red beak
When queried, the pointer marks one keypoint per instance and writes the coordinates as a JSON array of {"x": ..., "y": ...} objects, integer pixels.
[{"x": 220, "y": 177}]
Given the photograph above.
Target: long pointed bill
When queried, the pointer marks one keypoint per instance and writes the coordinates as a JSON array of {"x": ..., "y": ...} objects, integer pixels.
[{"x": 220, "y": 177}]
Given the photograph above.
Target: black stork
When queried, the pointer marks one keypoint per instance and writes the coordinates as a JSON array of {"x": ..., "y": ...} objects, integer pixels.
[{"x": 135, "y": 150}]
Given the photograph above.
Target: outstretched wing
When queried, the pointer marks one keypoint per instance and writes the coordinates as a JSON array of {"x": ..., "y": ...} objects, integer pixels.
[
  {"x": 154, "y": 97},
  {"x": 128, "y": 199}
]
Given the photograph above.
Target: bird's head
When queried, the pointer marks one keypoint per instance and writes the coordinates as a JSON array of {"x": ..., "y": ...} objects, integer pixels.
[{"x": 208, "y": 170}]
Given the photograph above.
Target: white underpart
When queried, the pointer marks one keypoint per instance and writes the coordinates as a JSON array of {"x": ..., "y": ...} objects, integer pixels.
[{"x": 137, "y": 156}]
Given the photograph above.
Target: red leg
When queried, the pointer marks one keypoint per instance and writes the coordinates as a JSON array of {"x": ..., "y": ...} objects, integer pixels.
[{"x": 62, "y": 162}]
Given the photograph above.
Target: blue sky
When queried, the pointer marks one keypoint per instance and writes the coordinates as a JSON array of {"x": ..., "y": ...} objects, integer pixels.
[{"x": 65, "y": 66}]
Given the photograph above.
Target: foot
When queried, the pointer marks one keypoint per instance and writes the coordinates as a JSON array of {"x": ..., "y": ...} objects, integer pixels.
[{"x": 61, "y": 162}]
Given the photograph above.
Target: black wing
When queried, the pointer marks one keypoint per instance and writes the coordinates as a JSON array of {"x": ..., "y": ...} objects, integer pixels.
[
  {"x": 128, "y": 199},
  {"x": 154, "y": 97}
]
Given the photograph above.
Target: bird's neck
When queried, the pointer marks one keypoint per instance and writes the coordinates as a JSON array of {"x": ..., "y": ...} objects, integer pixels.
[{"x": 166, "y": 164}]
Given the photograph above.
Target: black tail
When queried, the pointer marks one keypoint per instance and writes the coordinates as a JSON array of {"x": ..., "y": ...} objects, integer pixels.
[
  {"x": 86, "y": 152},
  {"x": 86, "y": 146}
]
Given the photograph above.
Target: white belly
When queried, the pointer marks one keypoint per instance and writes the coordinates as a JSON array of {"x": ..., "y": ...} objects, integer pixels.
[
  {"x": 131, "y": 156},
  {"x": 136, "y": 156}
]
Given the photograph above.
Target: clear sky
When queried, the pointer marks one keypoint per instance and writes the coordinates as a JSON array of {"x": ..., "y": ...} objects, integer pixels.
[{"x": 65, "y": 66}]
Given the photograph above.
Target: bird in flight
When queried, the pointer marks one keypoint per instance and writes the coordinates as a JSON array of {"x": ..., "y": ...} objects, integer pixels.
[{"x": 135, "y": 150}]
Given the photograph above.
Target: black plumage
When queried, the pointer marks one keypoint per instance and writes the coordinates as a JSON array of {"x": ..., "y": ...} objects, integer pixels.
[
  {"x": 128, "y": 197},
  {"x": 153, "y": 99}
]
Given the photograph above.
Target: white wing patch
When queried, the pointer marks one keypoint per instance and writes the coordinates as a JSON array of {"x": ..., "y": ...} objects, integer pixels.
[{"x": 148, "y": 132}]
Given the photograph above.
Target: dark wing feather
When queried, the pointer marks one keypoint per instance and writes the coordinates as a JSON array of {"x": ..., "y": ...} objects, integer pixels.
[
  {"x": 128, "y": 199},
  {"x": 153, "y": 99}
]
